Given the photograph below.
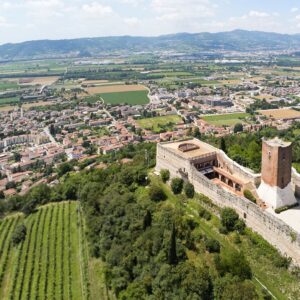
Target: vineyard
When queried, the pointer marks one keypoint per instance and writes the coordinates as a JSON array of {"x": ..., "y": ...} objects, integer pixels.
[{"x": 52, "y": 262}]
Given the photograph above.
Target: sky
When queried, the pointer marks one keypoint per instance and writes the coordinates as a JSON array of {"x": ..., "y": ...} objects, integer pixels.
[{"x": 23, "y": 20}]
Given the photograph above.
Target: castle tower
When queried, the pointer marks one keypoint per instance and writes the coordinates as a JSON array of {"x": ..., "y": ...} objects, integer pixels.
[{"x": 276, "y": 188}]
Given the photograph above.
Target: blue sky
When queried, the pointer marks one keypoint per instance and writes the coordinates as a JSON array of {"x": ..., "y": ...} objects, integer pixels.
[{"x": 22, "y": 20}]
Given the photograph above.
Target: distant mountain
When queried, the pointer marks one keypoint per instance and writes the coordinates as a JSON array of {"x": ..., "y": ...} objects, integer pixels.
[{"x": 238, "y": 40}]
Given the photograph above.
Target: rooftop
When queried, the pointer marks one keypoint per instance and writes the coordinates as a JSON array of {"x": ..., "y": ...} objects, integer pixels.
[
  {"x": 277, "y": 142},
  {"x": 196, "y": 148}
]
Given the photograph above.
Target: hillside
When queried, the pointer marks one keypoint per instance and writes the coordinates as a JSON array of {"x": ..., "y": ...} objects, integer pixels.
[
  {"x": 51, "y": 263},
  {"x": 136, "y": 236},
  {"x": 238, "y": 40}
]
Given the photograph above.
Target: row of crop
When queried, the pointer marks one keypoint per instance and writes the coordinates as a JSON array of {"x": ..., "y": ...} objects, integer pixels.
[
  {"x": 46, "y": 259},
  {"x": 84, "y": 255},
  {"x": 24, "y": 255},
  {"x": 16, "y": 270},
  {"x": 59, "y": 253},
  {"x": 45, "y": 263},
  {"x": 5, "y": 252},
  {"x": 51, "y": 278},
  {"x": 34, "y": 281},
  {"x": 7, "y": 225},
  {"x": 77, "y": 283},
  {"x": 29, "y": 269},
  {"x": 4, "y": 224},
  {"x": 68, "y": 237}
]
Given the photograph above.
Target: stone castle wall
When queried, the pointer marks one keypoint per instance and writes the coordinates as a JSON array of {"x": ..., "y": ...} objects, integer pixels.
[{"x": 275, "y": 231}]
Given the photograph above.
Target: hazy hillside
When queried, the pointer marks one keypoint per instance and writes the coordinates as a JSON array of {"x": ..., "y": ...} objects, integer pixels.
[{"x": 239, "y": 40}]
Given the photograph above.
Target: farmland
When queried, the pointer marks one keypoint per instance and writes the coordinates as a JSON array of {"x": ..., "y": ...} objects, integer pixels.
[
  {"x": 156, "y": 124},
  {"x": 226, "y": 120},
  {"x": 43, "y": 266},
  {"x": 132, "y": 97},
  {"x": 280, "y": 114},
  {"x": 12, "y": 100},
  {"x": 7, "y": 85},
  {"x": 115, "y": 89}
]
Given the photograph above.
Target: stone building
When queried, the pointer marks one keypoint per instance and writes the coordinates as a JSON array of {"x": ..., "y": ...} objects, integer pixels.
[{"x": 276, "y": 186}]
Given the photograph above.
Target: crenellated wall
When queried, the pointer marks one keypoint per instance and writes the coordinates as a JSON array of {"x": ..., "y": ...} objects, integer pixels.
[{"x": 275, "y": 231}]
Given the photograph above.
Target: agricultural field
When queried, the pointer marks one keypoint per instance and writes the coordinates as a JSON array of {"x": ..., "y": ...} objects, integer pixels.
[
  {"x": 8, "y": 85},
  {"x": 226, "y": 120},
  {"x": 52, "y": 262},
  {"x": 47, "y": 80},
  {"x": 156, "y": 124},
  {"x": 9, "y": 101},
  {"x": 115, "y": 89},
  {"x": 281, "y": 114},
  {"x": 133, "y": 97}
]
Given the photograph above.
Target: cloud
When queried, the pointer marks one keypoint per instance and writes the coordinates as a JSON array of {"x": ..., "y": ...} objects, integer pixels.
[
  {"x": 132, "y": 21},
  {"x": 294, "y": 9},
  {"x": 97, "y": 9},
  {"x": 259, "y": 14},
  {"x": 183, "y": 9}
]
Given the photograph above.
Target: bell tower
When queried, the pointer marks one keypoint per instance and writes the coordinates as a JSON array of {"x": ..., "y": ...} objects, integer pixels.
[{"x": 276, "y": 171}]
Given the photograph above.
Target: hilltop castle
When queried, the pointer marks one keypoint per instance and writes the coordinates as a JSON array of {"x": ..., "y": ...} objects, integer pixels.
[{"x": 224, "y": 181}]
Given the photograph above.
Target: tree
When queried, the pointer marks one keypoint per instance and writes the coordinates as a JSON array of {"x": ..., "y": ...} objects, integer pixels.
[
  {"x": 19, "y": 234},
  {"x": 212, "y": 246},
  {"x": 249, "y": 196},
  {"x": 177, "y": 185},
  {"x": 229, "y": 218},
  {"x": 172, "y": 255},
  {"x": 147, "y": 220},
  {"x": 189, "y": 190},
  {"x": 197, "y": 133},
  {"x": 165, "y": 175},
  {"x": 223, "y": 145},
  {"x": 238, "y": 128},
  {"x": 17, "y": 157},
  {"x": 233, "y": 262},
  {"x": 156, "y": 193}
]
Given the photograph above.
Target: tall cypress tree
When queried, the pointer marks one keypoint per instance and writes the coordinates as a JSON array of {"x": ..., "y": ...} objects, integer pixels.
[
  {"x": 172, "y": 255},
  {"x": 147, "y": 220},
  {"x": 223, "y": 145}
]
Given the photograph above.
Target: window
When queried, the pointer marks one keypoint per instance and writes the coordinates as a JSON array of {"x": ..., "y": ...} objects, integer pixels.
[{"x": 269, "y": 154}]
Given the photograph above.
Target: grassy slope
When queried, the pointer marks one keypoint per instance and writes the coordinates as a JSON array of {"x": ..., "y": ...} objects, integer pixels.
[
  {"x": 50, "y": 263},
  {"x": 134, "y": 97},
  {"x": 280, "y": 282}
]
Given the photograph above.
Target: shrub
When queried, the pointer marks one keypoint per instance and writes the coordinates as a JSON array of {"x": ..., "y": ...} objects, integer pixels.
[
  {"x": 165, "y": 175},
  {"x": 240, "y": 226},
  {"x": 189, "y": 190},
  {"x": 177, "y": 185},
  {"x": 229, "y": 218},
  {"x": 282, "y": 261},
  {"x": 205, "y": 214},
  {"x": 284, "y": 208},
  {"x": 238, "y": 128},
  {"x": 156, "y": 193},
  {"x": 212, "y": 246},
  {"x": 19, "y": 234},
  {"x": 249, "y": 196}
]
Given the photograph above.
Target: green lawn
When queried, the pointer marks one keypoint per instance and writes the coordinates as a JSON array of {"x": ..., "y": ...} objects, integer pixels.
[
  {"x": 51, "y": 263},
  {"x": 133, "y": 98},
  {"x": 156, "y": 124},
  {"x": 226, "y": 120}
]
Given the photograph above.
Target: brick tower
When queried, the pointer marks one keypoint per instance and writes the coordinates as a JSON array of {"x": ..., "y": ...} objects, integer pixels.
[{"x": 276, "y": 188}]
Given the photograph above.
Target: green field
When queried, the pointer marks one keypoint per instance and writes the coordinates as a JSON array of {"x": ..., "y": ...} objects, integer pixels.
[
  {"x": 12, "y": 100},
  {"x": 8, "y": 86},
  {"x": 133, "y": 98},
  {"x": 52, "y": 262},
  {"x": 157, "y": 123},
  {"x": 226, "y": 120}
]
